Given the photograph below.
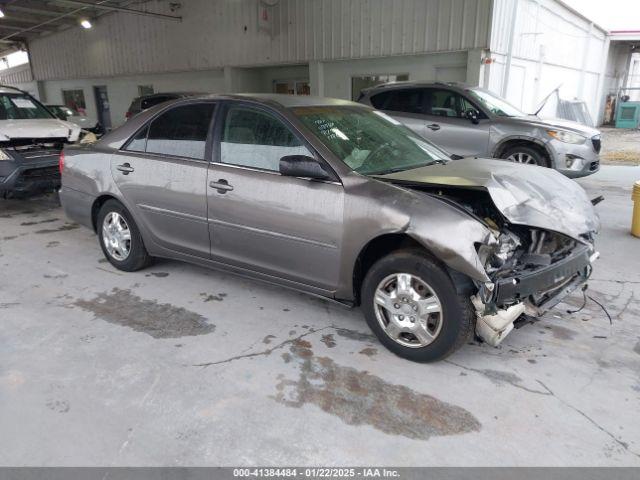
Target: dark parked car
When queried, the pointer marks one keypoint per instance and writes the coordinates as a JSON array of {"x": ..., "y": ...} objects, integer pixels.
[
  {"x": 140, "y": 104},
  {"x": 31, "y": 139},
  {"x": 472, "y": 121},
  {"x": 336, "y": 199}
]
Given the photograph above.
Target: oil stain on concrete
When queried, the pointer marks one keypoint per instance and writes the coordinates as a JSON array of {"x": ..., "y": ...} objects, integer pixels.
[
  {"x": 328, "y": 340},
  {"x": 64, "y": 228},
  {"x": 207, "y": 297},
  {"x": 355, "y": 335},
  {"x": 359, "y": 398},
  {"x": 159, "y": 320}
]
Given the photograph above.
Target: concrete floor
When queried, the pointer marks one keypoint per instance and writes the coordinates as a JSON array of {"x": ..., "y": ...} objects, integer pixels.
[
  {"x": 620, "y": 146},
  {"x": 178, "y": 365}
]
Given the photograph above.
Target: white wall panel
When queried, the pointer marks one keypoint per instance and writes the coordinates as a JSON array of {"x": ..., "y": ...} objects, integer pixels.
[{"x": 220, "y": 33}]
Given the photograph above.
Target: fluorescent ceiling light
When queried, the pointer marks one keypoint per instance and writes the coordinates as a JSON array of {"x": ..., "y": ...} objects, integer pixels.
[{"x": 85, "y": 23}]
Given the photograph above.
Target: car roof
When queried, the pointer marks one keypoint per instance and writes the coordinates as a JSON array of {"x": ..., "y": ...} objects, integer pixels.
[
  {"x": 283, "y": 100},
  {"x": 417, "y": 84},
  {"x": 172, "y": 94},
  {"x": 10, "y": 89}
]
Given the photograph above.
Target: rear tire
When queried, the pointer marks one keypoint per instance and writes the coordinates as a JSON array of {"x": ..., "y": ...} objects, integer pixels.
[
  {"x": 442, "y": 319},
  {"x": 120, "y": 238},
  {"x": 525, "y": 155}
]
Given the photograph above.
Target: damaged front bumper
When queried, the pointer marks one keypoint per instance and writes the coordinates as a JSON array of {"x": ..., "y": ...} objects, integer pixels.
[
  {"x": 30, "y": 173},
  {"x": 533, "y": 293}
]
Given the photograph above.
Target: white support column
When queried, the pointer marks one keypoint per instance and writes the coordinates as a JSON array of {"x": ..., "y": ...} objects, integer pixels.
[
  {"x": 512, "y": 34},
  {"x": 475, "y": 67},
  {"x": 316, "y": 78}
]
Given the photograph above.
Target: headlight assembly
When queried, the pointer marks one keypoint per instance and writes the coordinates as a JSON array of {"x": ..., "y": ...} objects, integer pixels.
[
  {"x": 566, "y": 137},
  {"x": 4, "y": 156}
]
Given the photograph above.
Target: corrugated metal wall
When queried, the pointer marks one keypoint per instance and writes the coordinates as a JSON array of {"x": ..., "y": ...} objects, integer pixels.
[
  {"x": 16, "y": 75},
  {"x": 565, "y": 36},
  {"x": 220, "y": 33}
]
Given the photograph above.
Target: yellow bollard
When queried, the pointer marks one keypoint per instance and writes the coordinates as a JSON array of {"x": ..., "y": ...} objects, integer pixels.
[{"x": 635, "y": 220}]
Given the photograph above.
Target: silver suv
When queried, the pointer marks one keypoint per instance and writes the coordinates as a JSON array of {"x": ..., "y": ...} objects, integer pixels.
[{"x": 472, "y": 121}]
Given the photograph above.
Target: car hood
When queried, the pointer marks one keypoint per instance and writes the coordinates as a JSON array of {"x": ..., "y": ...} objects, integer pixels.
[
  {"x": 557, "y": 123},
  {"x": 82, "y": 122},
  {"x": 524, "y": 194},
  {"x": 38, "y": 128}
]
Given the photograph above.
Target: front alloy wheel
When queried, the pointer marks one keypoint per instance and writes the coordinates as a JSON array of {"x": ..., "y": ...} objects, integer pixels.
[
  {"x": 408, "y": 310},
  {"x": 412, "y": 305}
]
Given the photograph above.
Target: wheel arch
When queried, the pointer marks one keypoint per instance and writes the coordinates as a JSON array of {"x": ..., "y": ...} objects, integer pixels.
[
  {"x": 527, "y": 141},
  {"x": 97, "y": 205},
  {"x": 384, "y": 244}
]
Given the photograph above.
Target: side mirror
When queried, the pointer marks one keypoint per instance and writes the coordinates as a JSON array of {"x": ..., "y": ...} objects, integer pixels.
[
  {"x": 302, "y": 166},
  {"x": 472, "y": 115}
]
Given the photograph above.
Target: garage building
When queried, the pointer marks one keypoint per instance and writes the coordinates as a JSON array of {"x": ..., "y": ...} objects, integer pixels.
[{"x": 331, "y": 48}]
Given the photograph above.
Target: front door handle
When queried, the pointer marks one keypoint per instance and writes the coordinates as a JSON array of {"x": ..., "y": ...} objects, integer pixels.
[
  {"x": 433, "y": 126},
  {"x": 125, "y": 168},
  {"x": 222, "y": 186}
]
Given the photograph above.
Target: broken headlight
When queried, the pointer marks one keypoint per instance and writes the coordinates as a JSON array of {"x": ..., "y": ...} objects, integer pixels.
[{"x": 494, "y": 257}]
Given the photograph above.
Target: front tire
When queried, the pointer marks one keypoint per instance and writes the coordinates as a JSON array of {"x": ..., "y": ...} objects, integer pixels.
[
  {"x": 525, "y": 155},
  {"x": 120, "y": 238},
  {"x": 412, "y": 306}
]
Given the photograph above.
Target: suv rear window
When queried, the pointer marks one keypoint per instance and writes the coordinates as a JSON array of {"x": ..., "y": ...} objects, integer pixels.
[
  {"x": 406, "y": 100},
  {"x": 153, "y": 101}
]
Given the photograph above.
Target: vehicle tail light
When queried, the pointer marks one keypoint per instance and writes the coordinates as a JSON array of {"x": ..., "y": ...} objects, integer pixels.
[
  {"x": 61, "y": 161},
  {"x": 127, "y": 115}
]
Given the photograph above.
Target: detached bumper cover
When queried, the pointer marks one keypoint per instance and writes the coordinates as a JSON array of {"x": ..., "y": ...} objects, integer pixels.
[{"x": 559, "y": 279}]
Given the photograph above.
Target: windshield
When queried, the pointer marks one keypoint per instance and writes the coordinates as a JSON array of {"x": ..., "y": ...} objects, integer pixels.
[
  {"x": 63, "y": 111},
  {"x": 497, "y": 106},
  {"x": 18, "y": 106},
  {"x": 369, "y": 142}
]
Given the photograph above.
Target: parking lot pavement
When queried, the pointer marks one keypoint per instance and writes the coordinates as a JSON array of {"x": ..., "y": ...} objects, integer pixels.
[
  {"x": 178, "y": 365},
  {"x": 620, "y": 146}
]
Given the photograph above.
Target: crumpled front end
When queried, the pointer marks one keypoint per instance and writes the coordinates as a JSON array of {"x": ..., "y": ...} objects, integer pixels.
[
  {"x": 541, "y": 245},
  {"x": 531, "y": 270}
]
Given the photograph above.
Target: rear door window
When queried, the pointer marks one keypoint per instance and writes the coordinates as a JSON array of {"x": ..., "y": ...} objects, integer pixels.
[
  {"x": 406, "y": 100},
  {"x": 180, "y": 132}
]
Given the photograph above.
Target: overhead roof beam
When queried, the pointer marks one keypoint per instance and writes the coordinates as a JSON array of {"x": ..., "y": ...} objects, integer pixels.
[
  {"x": 50, "y": 21},
  {"x": 33, "y": 11},
  {"x": 101, "y": 6}
]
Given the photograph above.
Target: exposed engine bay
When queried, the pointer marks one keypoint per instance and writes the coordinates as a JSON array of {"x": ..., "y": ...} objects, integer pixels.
[{"x": 531, "y": 269}]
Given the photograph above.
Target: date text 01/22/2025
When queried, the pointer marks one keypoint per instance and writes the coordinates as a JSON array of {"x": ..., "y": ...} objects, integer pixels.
[{"x": 316, "y": 472}]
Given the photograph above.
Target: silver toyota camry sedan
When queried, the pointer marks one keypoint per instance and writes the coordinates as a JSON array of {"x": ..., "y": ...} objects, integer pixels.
[{"x": 336, "y": 199}]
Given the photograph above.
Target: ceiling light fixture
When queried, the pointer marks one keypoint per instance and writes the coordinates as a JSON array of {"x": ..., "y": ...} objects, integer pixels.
[{"x": 85, "y": 23}]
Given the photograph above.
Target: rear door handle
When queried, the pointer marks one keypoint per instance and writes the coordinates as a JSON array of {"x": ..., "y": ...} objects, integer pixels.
[
  {"x": 433, "y": 126},
  {"x": 222, "y": 186},
  {"x": 125, "y": 168}
]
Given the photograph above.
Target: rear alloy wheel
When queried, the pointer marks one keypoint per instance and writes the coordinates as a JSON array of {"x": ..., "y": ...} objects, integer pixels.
[
  {"x": 525, "y": 155},
  {"x": 120, "y": 238},
  {"x": 411, "y": 304}
]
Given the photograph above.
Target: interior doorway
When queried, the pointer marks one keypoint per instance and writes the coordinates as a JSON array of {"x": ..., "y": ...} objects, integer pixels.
[{"x": 102, "y": 106}]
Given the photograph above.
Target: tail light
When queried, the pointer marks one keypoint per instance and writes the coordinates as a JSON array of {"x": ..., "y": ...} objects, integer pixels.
[
  {"x": 127, "y": 115},
  {"x": 61, "y": 161}
]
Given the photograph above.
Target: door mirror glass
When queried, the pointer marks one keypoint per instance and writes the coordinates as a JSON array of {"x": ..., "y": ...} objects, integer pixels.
[
  {"x": 302, "y": 166},
  {"x": 471, "y": 114}
]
